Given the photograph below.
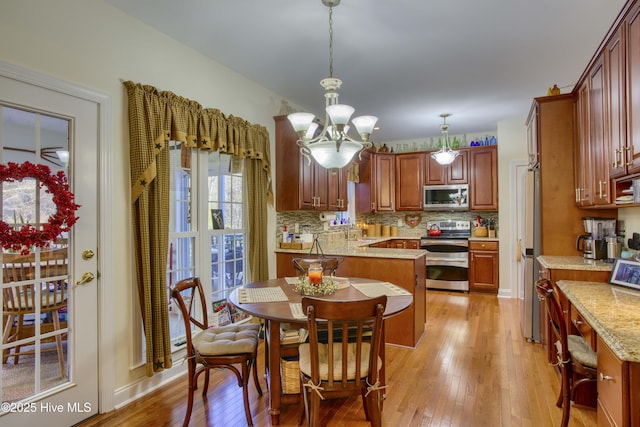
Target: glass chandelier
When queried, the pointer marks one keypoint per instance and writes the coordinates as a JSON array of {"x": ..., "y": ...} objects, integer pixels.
[
  {"x": 446, "y": 155},
  {"x": 332, "y": 147}
]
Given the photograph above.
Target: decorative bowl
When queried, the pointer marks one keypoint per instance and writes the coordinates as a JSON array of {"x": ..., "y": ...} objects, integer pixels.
[{"x": 481, "y": 232}]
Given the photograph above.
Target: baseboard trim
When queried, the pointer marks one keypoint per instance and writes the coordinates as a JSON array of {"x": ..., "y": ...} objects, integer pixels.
[{"x": 134, "y": 391}]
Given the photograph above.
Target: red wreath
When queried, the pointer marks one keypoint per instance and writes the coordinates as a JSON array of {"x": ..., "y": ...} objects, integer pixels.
[{"x": 27, "y": 236}]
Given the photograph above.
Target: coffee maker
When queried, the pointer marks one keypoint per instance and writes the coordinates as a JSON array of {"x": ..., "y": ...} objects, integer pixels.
[{"x": 593, "y": 244}]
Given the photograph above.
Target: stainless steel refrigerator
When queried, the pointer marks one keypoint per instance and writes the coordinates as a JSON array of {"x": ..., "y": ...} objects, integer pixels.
[{"x": 530, "y": 250}]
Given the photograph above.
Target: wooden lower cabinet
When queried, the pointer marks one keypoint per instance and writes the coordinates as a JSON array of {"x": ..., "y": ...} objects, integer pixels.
[
  {"x": 404, "y": 329},
  {"x": 483, "y": 267},
  {"x": 618, "y": 389},
  {"x": 401, "y": 244},
  {"x": 616, "y": 394},
  {"x": 613, "y": 386},
  {"x": 556, "y": 275}
]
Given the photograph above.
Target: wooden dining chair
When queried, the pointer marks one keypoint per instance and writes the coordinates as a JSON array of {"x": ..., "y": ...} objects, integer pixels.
[
  {"x": 574, "y": 354},
  {"x": 342, "y": 357},
  {"x": 217, "y": 347},
  {"x": 19, "y": 300}
]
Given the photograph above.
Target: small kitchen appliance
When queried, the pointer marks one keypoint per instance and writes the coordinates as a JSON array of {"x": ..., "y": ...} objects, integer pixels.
[
  {"x": 593, "y": 244},
  {"x": 614, "y": 248},
  {"x": 446, "y": 197}
]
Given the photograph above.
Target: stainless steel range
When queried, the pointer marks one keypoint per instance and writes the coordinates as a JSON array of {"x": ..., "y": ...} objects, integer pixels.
[{"x": 447, "y": 260}]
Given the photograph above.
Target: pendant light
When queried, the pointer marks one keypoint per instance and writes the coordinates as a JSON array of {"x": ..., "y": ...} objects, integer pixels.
[{"x": 332, "y": 147}]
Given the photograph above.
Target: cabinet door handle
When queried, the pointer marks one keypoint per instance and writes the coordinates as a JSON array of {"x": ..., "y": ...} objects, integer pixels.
[
  {"x": 629, "y": 155},
  {"x": 604, "y": 377},
  {"x": 619, "y": 158},
  {"x": 578, "y": 322},
  {"x": 600, "y": 185}
]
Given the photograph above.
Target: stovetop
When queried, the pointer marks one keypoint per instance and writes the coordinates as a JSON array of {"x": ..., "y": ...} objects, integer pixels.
[{"x": 449, "y": 229}]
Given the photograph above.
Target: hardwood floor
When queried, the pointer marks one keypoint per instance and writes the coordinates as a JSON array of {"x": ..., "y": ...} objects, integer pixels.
[{"x": 472, "y": 368}]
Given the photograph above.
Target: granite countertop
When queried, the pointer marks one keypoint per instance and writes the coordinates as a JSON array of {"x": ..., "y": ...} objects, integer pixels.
[
  {"x": 361, "y": 248},
  {"x": 573, "y": 263},
  {"x": 612, "y": 311}
]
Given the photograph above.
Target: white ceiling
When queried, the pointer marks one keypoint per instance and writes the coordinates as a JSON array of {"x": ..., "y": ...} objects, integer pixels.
[{"x": 405, "y": 61}]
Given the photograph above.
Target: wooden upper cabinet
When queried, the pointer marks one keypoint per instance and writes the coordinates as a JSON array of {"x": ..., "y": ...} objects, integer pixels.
[
  {"x": 365, "y": 188},
  {"x": 409, "y": 181},
  {"x": 337, "y": 189},
  {"x": 614, "y": 60},
  {"x": 598, "y": 139},
  {"x": 483, "y": 177},
  {"x": 455, "y": 173},
  {"x": 593, "y": 185},
  {"x": 384, "y": 167},
  {"x": 375, "y": 192},
  {"x": 633, "y": 89},
  {"x": 582, "y": 168},
  {"x": 304, "y": 185}
]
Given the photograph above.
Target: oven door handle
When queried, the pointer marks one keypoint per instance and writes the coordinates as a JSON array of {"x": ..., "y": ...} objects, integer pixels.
[{"x": 464, "y": 262}]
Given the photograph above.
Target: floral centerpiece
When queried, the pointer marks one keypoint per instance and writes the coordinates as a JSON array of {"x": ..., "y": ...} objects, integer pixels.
[{"x": 305, "y": 287}]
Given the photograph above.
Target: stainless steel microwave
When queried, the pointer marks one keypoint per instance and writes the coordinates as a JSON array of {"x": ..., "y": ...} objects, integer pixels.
[{"x": 446, "y": 197}]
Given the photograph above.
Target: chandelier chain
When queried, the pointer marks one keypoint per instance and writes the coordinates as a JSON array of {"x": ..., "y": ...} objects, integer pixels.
[{"x": 331, "y": 41}]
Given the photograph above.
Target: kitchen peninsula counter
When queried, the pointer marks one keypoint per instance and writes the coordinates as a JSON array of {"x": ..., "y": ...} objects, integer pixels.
[
  {"x": 403, "y": 267},
  {"x": 361, "y": 249}
]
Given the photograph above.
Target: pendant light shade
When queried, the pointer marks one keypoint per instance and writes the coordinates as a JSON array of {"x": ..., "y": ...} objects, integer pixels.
[
  {"x": 332, "y": 147},
  {"x": 446, "y": 155}
]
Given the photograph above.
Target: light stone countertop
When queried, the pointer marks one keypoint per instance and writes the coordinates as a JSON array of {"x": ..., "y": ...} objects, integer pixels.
[
  {"x": 612, "y": 311},
  {"x": 573, "y": 263},
  {"x": 360, "y": 248},
  {"x": 483, "y": 239}
]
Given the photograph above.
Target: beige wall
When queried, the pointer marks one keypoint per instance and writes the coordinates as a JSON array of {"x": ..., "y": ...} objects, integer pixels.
[
  {"x": 512, "y": 145},
  {"x": 94, "y": 45}
]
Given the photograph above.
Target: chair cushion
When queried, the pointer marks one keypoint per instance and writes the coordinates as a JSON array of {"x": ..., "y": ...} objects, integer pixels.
[
  {"x": 224, "y": 340},
  {"x": 305, "y": 360},
  {"x": 581, "y": 351}
]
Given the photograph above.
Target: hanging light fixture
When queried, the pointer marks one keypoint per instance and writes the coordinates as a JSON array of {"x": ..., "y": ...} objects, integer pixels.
[
  {"x": 332, "y": 147},
  {"x": 446, "y": 155}
]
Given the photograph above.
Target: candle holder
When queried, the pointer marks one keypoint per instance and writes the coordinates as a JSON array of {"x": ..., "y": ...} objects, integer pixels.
[{"x": 314, "y": 273}]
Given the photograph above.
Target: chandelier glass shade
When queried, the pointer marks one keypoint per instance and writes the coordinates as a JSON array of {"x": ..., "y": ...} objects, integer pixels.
[
  {"x": 332, "y": 147},
  {"x": 445, "y": 156}
]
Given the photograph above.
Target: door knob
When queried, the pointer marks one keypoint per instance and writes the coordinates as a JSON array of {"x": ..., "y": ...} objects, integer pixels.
[
  {"x": 87, "y": 254},
  {"x": 86, "y": 278}
]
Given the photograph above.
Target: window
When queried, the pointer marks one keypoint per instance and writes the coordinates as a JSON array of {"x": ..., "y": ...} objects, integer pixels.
[{"x": 207, "y": 227}]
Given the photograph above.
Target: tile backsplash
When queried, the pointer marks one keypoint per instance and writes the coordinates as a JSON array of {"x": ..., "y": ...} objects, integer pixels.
[{"x": 311, "y": 220}]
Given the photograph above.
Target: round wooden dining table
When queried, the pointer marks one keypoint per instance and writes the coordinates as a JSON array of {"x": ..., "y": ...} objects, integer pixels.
[{"x": 275, "y": 313}]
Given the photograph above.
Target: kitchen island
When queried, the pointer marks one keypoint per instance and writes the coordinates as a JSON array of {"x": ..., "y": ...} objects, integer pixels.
[
  {"x": 403, "y": 267},
  {"x": 612, "y": 317}
]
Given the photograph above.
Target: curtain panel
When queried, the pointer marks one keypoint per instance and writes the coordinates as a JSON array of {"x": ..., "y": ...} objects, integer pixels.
[{"x": 155, "y": 118}]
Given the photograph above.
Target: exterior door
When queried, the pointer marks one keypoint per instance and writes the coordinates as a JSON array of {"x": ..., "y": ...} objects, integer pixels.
[{"x": 39, "y": 125}]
